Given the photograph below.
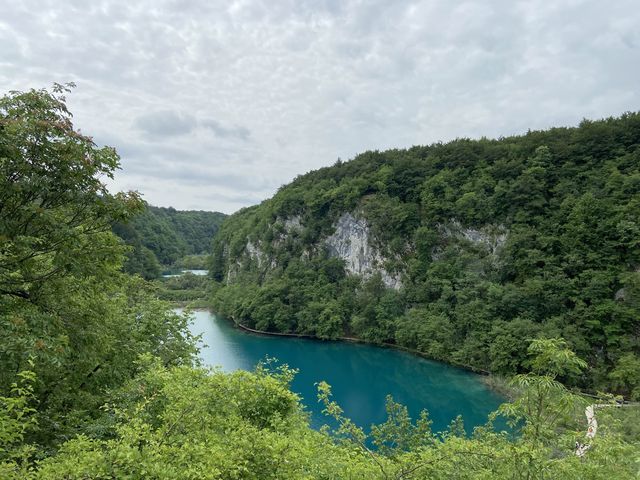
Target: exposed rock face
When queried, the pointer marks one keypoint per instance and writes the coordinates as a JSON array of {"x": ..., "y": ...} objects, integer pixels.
[
  {"x": 350, "y": 242},
  {"x": 491, "y": 237},
  {"x": 621, "y": 294},
  {"x": 292, "y": 223},
  {"x": 232, "y": 272},
  {"x": 493, "y": 241},
  {"x": 255, "y": 253}
]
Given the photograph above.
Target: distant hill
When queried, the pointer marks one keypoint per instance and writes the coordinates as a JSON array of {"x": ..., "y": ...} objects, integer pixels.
[
  {"x": 464, "y": 250},
  {"x": 161, "y": 236}
]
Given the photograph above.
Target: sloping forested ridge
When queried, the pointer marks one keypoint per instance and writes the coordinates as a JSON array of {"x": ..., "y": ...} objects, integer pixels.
[
  {"x": 161, "y": 236},
  {"x": 464, "y": 251}
]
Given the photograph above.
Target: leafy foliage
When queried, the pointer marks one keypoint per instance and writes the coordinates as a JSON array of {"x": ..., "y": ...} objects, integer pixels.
[
  {"x": 67, "y": 313},
  {"x": 97, "y": 377},
  {"x": 186, "y": 423},
  {"x": 184, "y": 288},
  {"x": 163, "y": 236},
  {"x": 53, "y": 215},
  {"x": 16, "y": 419}
]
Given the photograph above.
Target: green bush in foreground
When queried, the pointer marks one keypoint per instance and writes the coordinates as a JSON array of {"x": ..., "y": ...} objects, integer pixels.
[{"x": 188, "y": 423}]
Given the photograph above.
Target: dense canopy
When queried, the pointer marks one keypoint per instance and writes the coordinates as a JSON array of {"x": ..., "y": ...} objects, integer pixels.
[{"x": 163, "y": 236}]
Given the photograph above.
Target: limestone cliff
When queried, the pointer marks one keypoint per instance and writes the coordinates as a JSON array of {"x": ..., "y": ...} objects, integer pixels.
[{"x": 352, "y": 243}]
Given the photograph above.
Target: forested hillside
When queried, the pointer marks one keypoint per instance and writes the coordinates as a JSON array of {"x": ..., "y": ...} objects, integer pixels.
[
  {"x": 161, "y": 236},
  {"x": 464, "y": 251},
  {"x": 99, "y": 379}
]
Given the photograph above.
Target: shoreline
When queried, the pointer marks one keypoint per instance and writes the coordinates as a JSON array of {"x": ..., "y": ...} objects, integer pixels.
[
  {"x": 469, "y": 368},
  {"x": 493, "y": 382}
]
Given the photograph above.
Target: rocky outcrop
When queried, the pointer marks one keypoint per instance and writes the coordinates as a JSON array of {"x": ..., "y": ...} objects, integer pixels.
[
  {"x": 351, "y": 242},
  {"x": 490, "y": 238},
  {"x": 255, "y": 253},
  {"x": 621, "y": 294},
  {"x": 292, "y": 223},
  {"x": 259, "y": 256},
  {"x": 492, "y": 241}
]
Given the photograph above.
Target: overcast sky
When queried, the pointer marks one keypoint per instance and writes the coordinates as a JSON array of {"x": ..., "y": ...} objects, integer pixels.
[{"x": 214, "y": 104}]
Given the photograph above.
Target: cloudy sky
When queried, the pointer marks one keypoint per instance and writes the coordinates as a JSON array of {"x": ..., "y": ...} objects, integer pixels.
[{"x": 214, "y": 104}]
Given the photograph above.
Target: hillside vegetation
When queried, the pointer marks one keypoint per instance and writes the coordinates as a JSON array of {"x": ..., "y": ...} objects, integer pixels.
[
  {"x": 464, "y": 251},
  {"x": 160, "y": 237},
  {"x": 100, "y": 380}
]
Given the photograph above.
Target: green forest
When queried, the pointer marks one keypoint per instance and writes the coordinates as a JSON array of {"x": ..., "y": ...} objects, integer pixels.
[
  {"x": 162, "y": 237},
  {"x": 99, "y": 379},
  {"x": 494, "y": 243}
]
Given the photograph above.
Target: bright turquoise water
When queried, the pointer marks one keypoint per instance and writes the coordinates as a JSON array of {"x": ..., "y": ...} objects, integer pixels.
[{"x": 360, "y": 375}]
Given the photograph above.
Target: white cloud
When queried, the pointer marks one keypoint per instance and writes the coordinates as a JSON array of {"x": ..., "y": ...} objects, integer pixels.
[{"x": 215, "y": 104}]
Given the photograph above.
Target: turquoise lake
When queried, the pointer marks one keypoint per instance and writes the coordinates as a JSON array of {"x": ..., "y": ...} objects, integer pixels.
[{"x": 361, "y": 376}]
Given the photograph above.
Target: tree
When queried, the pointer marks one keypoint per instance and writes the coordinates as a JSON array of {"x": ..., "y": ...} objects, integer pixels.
[
  {"x": 16, "y": 419},
  {"x": 626, "y": 375},
  {"x": 543, "y": 402},
  {"x": 54, "y": 206},
  {"x": 67, "y": 313}
]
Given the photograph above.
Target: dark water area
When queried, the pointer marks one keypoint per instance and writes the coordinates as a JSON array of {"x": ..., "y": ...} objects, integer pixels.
[{"x": 361, "y": 376}]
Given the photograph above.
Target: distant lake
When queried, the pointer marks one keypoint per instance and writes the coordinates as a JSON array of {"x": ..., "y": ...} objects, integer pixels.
[
  {"x": 360, "y": 375},
  {"x": 182, "y": 272}
]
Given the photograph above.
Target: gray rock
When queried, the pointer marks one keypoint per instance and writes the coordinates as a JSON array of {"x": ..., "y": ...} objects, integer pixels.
[{"x": 351, "y": 243}]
